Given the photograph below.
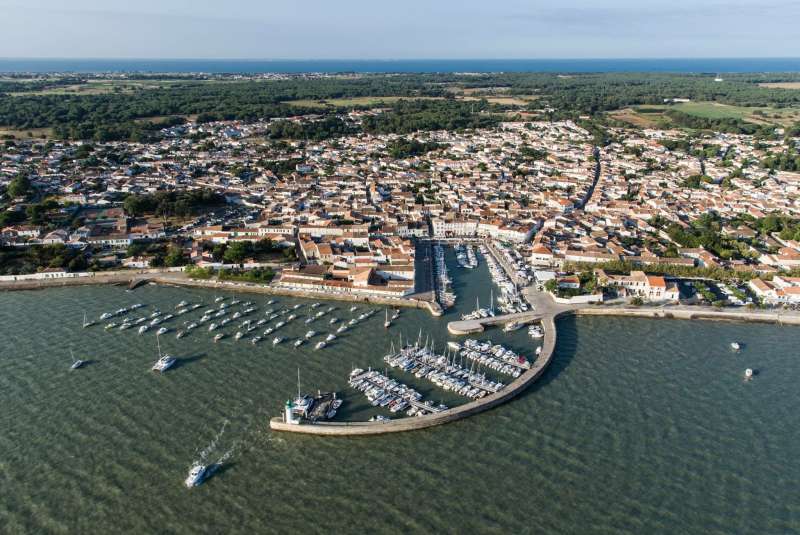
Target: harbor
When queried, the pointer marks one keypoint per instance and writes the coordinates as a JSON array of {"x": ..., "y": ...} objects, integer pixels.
[{"x": 606, "y": 389}]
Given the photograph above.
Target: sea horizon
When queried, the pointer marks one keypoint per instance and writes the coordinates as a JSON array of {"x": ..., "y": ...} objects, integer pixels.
[{"x": 364, "y": 66}]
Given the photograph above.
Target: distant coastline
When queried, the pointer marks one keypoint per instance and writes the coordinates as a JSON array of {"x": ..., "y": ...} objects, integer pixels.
[{"x": 255, "y": 66}]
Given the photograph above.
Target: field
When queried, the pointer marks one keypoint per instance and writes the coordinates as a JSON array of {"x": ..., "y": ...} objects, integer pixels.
[
  {"x": 36, "y": 133},
  {"x": 652, "y": 115},
  {"x": 99, "y": 87},
  {"x": 781, "y": 85}
]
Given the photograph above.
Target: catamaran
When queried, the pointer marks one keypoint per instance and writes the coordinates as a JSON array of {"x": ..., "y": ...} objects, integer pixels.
[{"x": 164, "y": 362}]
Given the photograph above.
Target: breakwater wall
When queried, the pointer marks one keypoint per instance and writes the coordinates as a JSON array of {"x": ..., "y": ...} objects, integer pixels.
[{"x": 451, "y": 415}]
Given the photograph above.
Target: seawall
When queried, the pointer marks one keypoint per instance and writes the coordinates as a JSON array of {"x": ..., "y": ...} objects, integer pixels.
[{"x": 451, "y": 415}]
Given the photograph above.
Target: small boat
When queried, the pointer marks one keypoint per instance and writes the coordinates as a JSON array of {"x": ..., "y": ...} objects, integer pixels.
[
  {"x": 309, "y": 320},
  {"x": 218, "y": 299},
  {"x": 75, "y": 363},
  {"x": 735, "y": 346},
  {"x": 296, "y": 306},
  {"x": 310, "y": 334},
  {"x": 255, "y": 340},
  {"x": 321, "y": 344},
  {"x": 162, "y": 330},
  {"x": 277, "y": 340},
  {"x": 271, "y": 302},
  {"x": 238, "y": 335},
  {"x": 332, "y": 321},
  {"x": 191, "y": 326},
  {"x": 196, "y": 475},
  {"x": 353, "y": 309},
  {"x": 748, "y": 373},
  {"x": 455, "y": 346},
  {"x": 315, "y": 305},
  {"x": 538, "y": 351},
  {"x": 330, "y": 338},
  {"x": 110, "y": 326},
  {"x": 298, "y": 342},
  {"x": 291, "y": 317},
  {"x": 143, "y": 329},
  {"x": 212, "y": 327},
  {"x": 386, "y": 322},
  {"x": 182, "y": 304},
  {"x": 164, "y": 362},
  {"x": 219, "y": 337},
  {"x": 512, "y": 326},
  {"x": 106, "y": 315},
  {"x": 268, "y": 331},
  {"x": 86, "y": 323},
  {"x": 341, "y": 329},
  {"x": 180, "y": 334}
]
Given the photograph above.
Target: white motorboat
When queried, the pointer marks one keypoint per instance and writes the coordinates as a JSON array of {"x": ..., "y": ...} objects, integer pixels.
[
  {"x": 219, "y": 337},
  {"x": 162, "y": 330},
  {"x": 182, "y": 304},
  {"x": 748, "y": 373},
  {"x": 277, "y": 340},
  {"x": 255, "y": 340},
  {"x": 143, "y": 329},
  {"x": 330, "y": 338},
  {"x": 298, "y": 342},
  {"x": 310, "y": 334},
  {"x": 180, "y": 334},
  {"x": 196, "y": 475},
  {"x": 321, "y": 344},
  {"x": 238, "y": 335},
  {"x": 735, "y": 346}
]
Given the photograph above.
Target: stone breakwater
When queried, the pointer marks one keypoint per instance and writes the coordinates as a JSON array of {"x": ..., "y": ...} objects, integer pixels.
[{"x": 451, "y": 415}]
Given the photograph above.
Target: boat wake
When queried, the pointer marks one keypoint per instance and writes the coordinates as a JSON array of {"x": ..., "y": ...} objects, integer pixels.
[{"x": 209, "y": 450}]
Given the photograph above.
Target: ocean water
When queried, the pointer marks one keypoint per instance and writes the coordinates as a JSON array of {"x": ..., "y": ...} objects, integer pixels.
[
  {"x": 689, "y": 65},
  {"x": 639, "y": 426}
]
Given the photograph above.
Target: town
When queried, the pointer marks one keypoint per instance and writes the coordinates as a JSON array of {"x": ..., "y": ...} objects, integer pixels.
[{"x": 652, "y": 216}]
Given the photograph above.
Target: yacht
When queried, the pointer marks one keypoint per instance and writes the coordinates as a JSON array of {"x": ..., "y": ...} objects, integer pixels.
[
  {"x": 86, "y": 323},
  {"x": 386, "y": 322},
  {"x": 196, "y": 475},
  {"x": 512, "y": 326},
  {"x": 75, "y": 363},
  {"x": 277, "y": 340},
  {"x": 219, "y": 337},
  {"x": 735, "y": 346},
  {"x": 164, "y": 362}
]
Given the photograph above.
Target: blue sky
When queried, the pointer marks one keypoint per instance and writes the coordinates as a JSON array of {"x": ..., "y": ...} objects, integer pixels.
[{"x": 327, "y": 29}]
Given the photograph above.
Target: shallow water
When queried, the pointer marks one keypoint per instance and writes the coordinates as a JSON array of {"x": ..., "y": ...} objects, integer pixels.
[{"x": 639, "y": 426}]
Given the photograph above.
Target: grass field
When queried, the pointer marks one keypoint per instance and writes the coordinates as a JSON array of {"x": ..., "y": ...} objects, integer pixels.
[
  {"x": 781, "y": 85},
  {"x": 37, "y": 133},
  {"x": 652, "y": 115}
]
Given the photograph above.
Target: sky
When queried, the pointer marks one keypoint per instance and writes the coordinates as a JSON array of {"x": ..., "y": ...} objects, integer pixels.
[{"x": 401, "y": 29}]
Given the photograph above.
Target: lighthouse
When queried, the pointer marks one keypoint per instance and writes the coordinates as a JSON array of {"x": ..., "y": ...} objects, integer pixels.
[{"x": 289, "y": 416}]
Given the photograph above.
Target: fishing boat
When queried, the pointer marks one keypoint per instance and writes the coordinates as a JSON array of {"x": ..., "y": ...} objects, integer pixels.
[
  {"x": 277, "y": 340},
  {"x": 219, "y": 337},
  {"x": 196, "y": 475}
]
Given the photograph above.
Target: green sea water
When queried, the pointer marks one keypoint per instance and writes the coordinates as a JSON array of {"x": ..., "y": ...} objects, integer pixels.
[{"x": 639, "y": 426}]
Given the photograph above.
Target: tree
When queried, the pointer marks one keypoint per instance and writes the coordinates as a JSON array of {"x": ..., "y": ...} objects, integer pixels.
[
  {"x": 175, "y": 257},
  {"x": 20, "y": 186},
  {"x": 236, "y": 252}
]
